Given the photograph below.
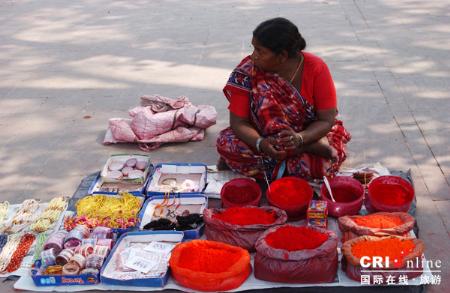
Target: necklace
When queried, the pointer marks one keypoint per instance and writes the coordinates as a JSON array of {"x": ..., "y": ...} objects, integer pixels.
[{"x": 296, "y": 70}]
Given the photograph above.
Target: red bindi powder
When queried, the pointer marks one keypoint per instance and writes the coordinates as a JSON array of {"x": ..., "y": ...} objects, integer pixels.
[
  {"x": 295, "y": 238},
  {"x": 288, "y": 194},
  {"x": 390, "y": 194},
  {"x": 240, "y": 194}
]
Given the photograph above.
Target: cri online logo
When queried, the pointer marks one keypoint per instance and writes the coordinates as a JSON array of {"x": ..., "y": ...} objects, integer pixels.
[
  {"x": 384, "y": 262},
  {"x": 381, "y": 262}
]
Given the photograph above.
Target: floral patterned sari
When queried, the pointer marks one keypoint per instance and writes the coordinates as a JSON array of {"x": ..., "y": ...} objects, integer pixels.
[{"x": 275, "y": 105}]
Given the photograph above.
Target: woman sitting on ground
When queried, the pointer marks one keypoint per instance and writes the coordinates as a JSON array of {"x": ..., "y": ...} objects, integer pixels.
[{"x": 282, "y": 110}]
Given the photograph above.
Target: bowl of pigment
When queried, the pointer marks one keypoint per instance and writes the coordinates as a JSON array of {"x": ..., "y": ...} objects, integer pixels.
[
  {"x": 240, "y": 192},
  {"x": 389, "y": 194},
  {"x": 348, "y": 194},
  {"x": 290, "y": 194}
]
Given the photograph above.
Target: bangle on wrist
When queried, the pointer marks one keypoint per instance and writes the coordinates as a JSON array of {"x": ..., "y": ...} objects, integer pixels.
[
  {"x": 258, "y": 144},
  {"x": 302, "y": 142}
]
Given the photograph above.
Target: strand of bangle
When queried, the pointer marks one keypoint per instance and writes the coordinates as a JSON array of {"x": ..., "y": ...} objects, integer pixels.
[
  {"x": 39, "y": 247},
  {"x": 51, "y": 214},
  {"x": 21, "y": 251},
  {"x": 45, "y": 221},
  {"x": 22, "y": 218},
  {"x": 3, "y": 241},
  {"x": 58, "y": 203},
  {"x": 8, "y": 250}
]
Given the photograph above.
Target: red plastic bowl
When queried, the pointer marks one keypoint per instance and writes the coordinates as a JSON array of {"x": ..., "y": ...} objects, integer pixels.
[
  {"x": 291, "y": 194},
  {"x": 348, "y": 193},
  {"x": 390, "y": 194},
  {"x": 240, "y": 192}
]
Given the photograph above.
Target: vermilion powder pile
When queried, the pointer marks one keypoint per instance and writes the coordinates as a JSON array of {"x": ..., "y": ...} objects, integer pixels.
[
  {"x": 393, "y": 195},
  {"x": 240, "y": 194},
  {"x": 288, "y": 195},
  {"x": 378, "y": 221},
  {"x": 344, "y": 194},
  {"x": 246, "y": 216},
  {"x": 296, "y": 238},
  {"x": 208, "y": 259},
  {"x": 393, "y": 248}
]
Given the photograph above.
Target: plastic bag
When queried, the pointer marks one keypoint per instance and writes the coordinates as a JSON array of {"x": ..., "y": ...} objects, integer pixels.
[
  {"x": 209, "y": 266},
  {"x": 350, "y": 229},
  {"x": 238, "y": 235},
  {"x": 410, "y": 265},
  {"x": 317, "y": 265}
]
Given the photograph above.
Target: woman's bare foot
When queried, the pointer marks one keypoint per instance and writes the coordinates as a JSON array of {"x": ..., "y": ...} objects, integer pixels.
[
  {"x": 321, "y": 148},
  {"x": 221, "y": 165}
]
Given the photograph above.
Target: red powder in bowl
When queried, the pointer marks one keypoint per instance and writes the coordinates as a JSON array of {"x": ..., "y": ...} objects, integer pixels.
[
  {"x": 240, "y": 194},
  {"x": 246, "y": 216},
  {"x": 344, "y": 194},
  {"x": 288, "y": 192},
  {"x": 295, "y": 238},
  {"x": 390, "y": 194}
]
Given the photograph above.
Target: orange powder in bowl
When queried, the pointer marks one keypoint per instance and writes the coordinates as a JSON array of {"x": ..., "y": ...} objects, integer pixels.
[{"x": 394, "y": 248}]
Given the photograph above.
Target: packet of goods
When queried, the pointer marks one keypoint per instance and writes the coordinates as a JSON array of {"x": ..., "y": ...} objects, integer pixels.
[
  {"x": 143, "y": 261},
  {"x": 317, "y": 214}
]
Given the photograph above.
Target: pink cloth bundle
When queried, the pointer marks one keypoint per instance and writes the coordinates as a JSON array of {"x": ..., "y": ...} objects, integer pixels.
[{"x": 161, "y": 120}]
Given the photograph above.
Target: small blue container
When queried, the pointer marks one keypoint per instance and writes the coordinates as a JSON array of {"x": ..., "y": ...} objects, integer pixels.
[
  {"x": 62, "y": 280},
  {"x": 145, "y": 215},
  {"x": 95, "y": 187},
  {"x": 173, "y": 236},
  {"x": 176, "y": 168},
  {"x": 118, "y": 231},
  {"x": 102, "y": 176}
]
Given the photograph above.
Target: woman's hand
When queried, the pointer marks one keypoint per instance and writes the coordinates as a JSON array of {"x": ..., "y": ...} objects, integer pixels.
[
  {"x": 267, "y": 147},
  {"x": 289, "y": 140}
]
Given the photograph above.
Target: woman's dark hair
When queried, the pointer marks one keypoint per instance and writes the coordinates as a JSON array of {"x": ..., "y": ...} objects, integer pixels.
[{"x": 278, "y": 34}]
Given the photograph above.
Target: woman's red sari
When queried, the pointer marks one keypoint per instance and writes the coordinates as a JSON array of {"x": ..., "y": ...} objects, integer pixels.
[{"x": 275, "y": 105}]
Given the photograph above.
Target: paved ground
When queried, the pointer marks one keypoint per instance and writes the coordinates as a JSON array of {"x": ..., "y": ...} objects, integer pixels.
[{"x": 63, "y": 60}]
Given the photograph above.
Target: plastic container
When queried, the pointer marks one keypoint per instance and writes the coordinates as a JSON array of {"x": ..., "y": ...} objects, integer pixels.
[
  {"x": 141, "y": 236},
  {"x": 63, "y": 280},
  {"x": 95, "y": 187},
  {"x": 348, "y": 193},
  {"x": 292, "y": 195},
  {"x": 240, "y": 192},
  {"x": 188, "y": 170},
  {"x": 145, "y": 215},
  {"x": 389, "y": 194},
  {"x": 72, "y": 211}
]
